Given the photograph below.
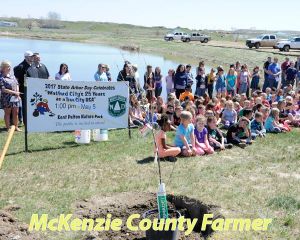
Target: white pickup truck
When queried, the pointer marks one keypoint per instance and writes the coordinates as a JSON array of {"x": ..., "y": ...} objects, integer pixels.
[
  {"x": 264, "y": 40},
  {"x": 286, "y": 45},
  {"x": 174, "y": 36}
]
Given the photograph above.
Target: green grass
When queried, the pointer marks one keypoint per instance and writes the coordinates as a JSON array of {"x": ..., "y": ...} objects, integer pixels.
[{"x": 248, "y": 183}]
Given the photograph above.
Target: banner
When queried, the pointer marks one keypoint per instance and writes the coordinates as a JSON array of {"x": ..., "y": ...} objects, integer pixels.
[{"x": 73, "y": 105}]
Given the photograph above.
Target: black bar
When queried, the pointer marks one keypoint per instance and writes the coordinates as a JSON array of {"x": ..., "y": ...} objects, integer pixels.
[
  {"x": 129, "y": 129},
  {"x": 25, "y": 115}
]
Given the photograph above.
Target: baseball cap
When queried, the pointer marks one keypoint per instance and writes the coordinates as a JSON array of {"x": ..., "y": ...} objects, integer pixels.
[{"x": 28, "y": 54}]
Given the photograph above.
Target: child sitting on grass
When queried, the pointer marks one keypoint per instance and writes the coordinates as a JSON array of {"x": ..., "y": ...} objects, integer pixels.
[
  {"x": 257, "y": 126},
  {"x": 229, "y": 115},
  {"x": 201, "y": 137},
  {"x": 272, "y": 123},
  {"x": 215, "y": 135},
  {"x": 239, "y": 134},
  {"x": 176, "y": 116},
  {"x": 246, "y": 106},
  {"x": 185, "y": 138},
  {"x": 163, "y": 149}
]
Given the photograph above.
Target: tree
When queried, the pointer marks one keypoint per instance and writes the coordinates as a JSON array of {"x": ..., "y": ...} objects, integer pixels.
[
  {"x": 54, "y": 16},
  {"x": 52, "y": 20}
]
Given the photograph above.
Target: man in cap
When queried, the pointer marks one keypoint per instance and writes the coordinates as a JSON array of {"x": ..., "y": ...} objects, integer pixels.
[
  {"x": 266, "y": 73},
  {"x": 38, "y": 69},
  {"x": 19, "y": 72}
]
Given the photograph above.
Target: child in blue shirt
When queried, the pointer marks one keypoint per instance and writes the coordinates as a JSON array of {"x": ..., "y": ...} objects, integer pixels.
[
  {"x": 185, "y": 138},
  {"x": 257, "y": 126},
  {"x": 271, "y": 123}
]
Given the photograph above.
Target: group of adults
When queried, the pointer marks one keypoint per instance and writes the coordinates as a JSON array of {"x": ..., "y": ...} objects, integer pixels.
[
  {"x": 12, "y": 85},
  {"x": 276, "y": 75}
]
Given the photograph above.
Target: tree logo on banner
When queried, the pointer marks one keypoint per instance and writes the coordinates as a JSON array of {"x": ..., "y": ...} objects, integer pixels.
[
  {"x": 116, "y": 106},
  {"x": 41, "y": 105}
]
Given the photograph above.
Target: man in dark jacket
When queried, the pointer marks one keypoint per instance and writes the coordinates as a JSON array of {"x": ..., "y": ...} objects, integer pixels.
[
  {"x": 37, "y": 69},
  {"x": 19, "y": 72}
]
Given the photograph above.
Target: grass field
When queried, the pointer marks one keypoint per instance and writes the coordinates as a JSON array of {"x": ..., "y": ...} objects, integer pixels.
[{"x": 260, "y": 181}]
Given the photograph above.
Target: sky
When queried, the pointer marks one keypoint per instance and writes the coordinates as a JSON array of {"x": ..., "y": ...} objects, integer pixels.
[{"x": 193, "y": 14}]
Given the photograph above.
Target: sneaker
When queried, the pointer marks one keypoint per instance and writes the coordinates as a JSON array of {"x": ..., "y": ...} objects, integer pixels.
[
  {"x": 242, "y": 145},
  {"x": 171, "y": 159},
  {"x": 229, "y": 146}
]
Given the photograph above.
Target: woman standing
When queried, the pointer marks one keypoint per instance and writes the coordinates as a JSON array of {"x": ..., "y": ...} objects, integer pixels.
[
  {"x": 158, "y": 81},
  {"x": 211, "y": 77},
  {"x": 231, "y": 82},
  {"x": 148, "y": 75},
  {"x": 220, "y": 82},
  {"x": 149, "y": 84},
  {"x": 201, "y": 65},
  {"x": 180, "y": 80},
  {"x": 244, "y": 80},
  {"x": 10, "y": 95},
  {"x": 127, "y": 74},
  {"x": 63, "y": 73},
  {"x": 170, "y": 81},
  {"x": 201, "y": 83},
  {"x": 101, "y": 74}
]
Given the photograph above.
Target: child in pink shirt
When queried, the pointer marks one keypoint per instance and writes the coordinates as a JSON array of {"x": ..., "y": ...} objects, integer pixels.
[{"x": 163, "y": 149}]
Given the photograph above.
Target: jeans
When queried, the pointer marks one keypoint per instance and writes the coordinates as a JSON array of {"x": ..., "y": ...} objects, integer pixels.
[
  {"x": 231, "y": 92},
  {"x": 243, "y": 88},
  {"x": 178, "y": 92},
  {"x": 200, "y": 91},
  {"x": 266, "y": 84},
  {"x": 210, "y": 90},
  {"x": 158, "y": 91},
  {"x": 283, "y": 80},
  {"x": 273, "y": 83}
]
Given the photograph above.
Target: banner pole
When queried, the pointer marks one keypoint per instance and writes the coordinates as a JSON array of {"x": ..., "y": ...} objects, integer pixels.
[
  {"x": 129, "y": 129},
  {"x": 25, "y": 115}
]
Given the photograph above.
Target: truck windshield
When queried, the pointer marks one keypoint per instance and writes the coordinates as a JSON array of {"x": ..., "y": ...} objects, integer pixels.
[{"x": 260, "y": 36}]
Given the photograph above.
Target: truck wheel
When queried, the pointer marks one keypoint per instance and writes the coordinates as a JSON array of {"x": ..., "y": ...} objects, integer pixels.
[
  {"x": 250, "y": 46},
  {"x": 171, "y": 39},
  {"x": 188, "y": 40},
  {"x": 280, "y": 49},
  {"x": 205, "y": 40},
  {"x": 257, "y": 45},
  {"x": 286, "y": 48}
]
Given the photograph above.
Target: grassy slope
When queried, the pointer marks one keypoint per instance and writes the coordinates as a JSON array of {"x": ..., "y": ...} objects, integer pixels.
[
  {"x": 261, "y": 181},
  {"x": 148, "y": 39}
]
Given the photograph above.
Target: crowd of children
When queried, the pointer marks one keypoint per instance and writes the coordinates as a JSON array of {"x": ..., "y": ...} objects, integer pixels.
[{"x": 205, "y": 124}]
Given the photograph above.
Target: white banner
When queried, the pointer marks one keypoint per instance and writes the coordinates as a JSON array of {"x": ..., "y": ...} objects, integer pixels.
[{"x": 72, "y": 105}]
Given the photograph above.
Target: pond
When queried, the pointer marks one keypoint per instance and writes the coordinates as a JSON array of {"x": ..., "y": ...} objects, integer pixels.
[{"x": 81, "y": 58}]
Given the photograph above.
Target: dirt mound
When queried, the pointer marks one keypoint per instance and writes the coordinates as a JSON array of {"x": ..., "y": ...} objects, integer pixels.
[
  {"x": 12, "y": 229},
  {"x": 122, "y": 205}
]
